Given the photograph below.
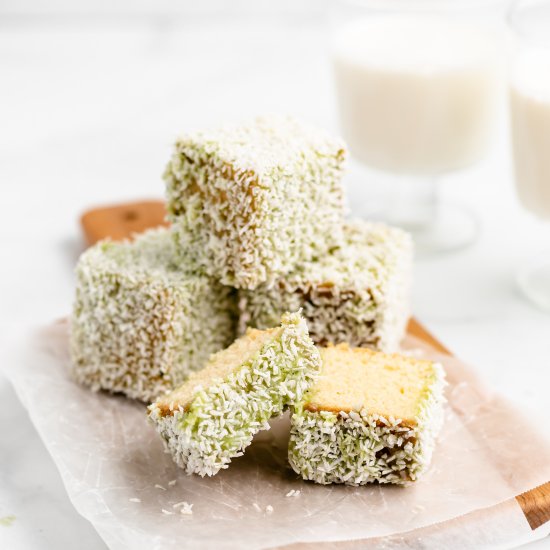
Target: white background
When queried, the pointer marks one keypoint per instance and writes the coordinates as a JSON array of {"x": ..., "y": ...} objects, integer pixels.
[{"x": 91, "y": 98}]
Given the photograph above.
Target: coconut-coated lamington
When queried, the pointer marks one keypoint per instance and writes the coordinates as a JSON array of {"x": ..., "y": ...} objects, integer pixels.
[
  {"x": 371, "y": 417},
  {"x": 140, "y": 323},
  {"x": 247, "y": 203},
  {"x": 357, "y": 293},
  {"x": 211, "y": 418}
]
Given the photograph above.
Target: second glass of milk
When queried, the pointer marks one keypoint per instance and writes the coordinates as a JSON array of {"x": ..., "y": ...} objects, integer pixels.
[
  {"x": 529, "y": 97},
  {"x": 416, "y": 84}
]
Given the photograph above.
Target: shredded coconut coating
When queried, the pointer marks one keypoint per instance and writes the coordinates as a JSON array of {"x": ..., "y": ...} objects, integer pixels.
[
  {"x": 358, "y": 293},
  {"x": 141, "y": 324},
  {"x": 221, "y": 419},
  {"x": 356, "y": 448},
  {"x": 248, "y": 203}
]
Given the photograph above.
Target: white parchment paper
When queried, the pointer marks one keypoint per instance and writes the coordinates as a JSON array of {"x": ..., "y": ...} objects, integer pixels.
[{"x": 118, "y": 477}]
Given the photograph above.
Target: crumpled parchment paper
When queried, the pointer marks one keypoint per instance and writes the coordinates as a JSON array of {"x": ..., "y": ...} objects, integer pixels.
[{"x": 118, "y": 477}]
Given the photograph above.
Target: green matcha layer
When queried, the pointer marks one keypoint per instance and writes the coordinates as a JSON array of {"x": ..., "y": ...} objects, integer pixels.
[
  {"x": 247, "y": 203},
  {"x": 358, "y": 293},
  {"x": 141, "y": 324},
  {"x": 212, "y": 417},
  {"x": 371, "y": 417}
]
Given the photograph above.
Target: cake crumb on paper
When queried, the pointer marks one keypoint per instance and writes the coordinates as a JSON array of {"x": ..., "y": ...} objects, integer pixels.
[{"x": 186, "y": 508}]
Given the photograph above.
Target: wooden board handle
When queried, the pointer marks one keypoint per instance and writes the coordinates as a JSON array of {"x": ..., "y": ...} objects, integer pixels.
[{"x": 121, "y": 221}]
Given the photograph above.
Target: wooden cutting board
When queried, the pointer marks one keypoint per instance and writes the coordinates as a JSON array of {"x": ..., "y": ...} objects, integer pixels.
[{"x": 121, "y": 221}]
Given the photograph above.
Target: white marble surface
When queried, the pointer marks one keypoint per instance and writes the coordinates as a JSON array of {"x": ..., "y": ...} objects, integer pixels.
[{"x": 89, "y": 107}]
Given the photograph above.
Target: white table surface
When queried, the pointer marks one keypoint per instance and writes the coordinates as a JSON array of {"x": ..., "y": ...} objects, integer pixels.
[{"x": 88, "y": 111}]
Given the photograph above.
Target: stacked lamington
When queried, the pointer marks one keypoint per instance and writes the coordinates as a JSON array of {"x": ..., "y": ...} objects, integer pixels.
[
  {"x": 250, "y": 203},
  {"x": 257, "y": 231},
  {"x": 140, "y": 322},
  {"x": 358, "y": 292}
]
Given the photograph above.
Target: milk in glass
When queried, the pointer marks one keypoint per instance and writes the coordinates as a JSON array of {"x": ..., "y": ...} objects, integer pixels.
[
  {"x": 530, "y": 118},
  {"x": 416, "y": 93}
]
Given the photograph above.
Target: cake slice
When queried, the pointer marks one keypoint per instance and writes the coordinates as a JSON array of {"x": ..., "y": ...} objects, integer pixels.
[
  {"x": 370, "y": 417},
  {"x": 138, "y": 316},
  {"x": 358, "y": 293},
  {"x": 248, "y": 202},
  {"x": 212, "y": 417}
]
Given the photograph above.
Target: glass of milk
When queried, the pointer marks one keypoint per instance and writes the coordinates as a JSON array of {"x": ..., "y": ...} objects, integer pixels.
[
  {"x": 416, "y": 83},
  {"x": 529, "y": 97}
]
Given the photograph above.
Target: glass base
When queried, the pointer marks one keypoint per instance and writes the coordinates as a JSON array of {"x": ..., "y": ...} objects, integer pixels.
[
  {"x": 453, "y": 227},
  {"x": 412, "y": 203},
  {"x": 534, "y": 283}
]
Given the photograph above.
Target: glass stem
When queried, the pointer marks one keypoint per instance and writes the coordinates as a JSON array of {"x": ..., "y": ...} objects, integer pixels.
[{"x": 414, "y": 202}]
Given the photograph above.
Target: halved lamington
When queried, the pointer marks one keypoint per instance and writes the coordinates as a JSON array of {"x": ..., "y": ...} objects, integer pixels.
[
  {"x": 357, "y": 293},
  {"x": 213, "y": 416},
  {"x": 371, "y": 417},
  {"x": 249, "y": 202},
  {"x": 140, "y": 323}
]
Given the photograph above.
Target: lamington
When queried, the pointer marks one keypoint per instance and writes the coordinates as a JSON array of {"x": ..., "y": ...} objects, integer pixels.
[
  {"x": 140, "y": 322},
  {"x": 212, "y": 417},
  {"x": 247, "y": 203},
  {"x": 357, "y": 293},
  {"x": 371, "y": 417}
]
